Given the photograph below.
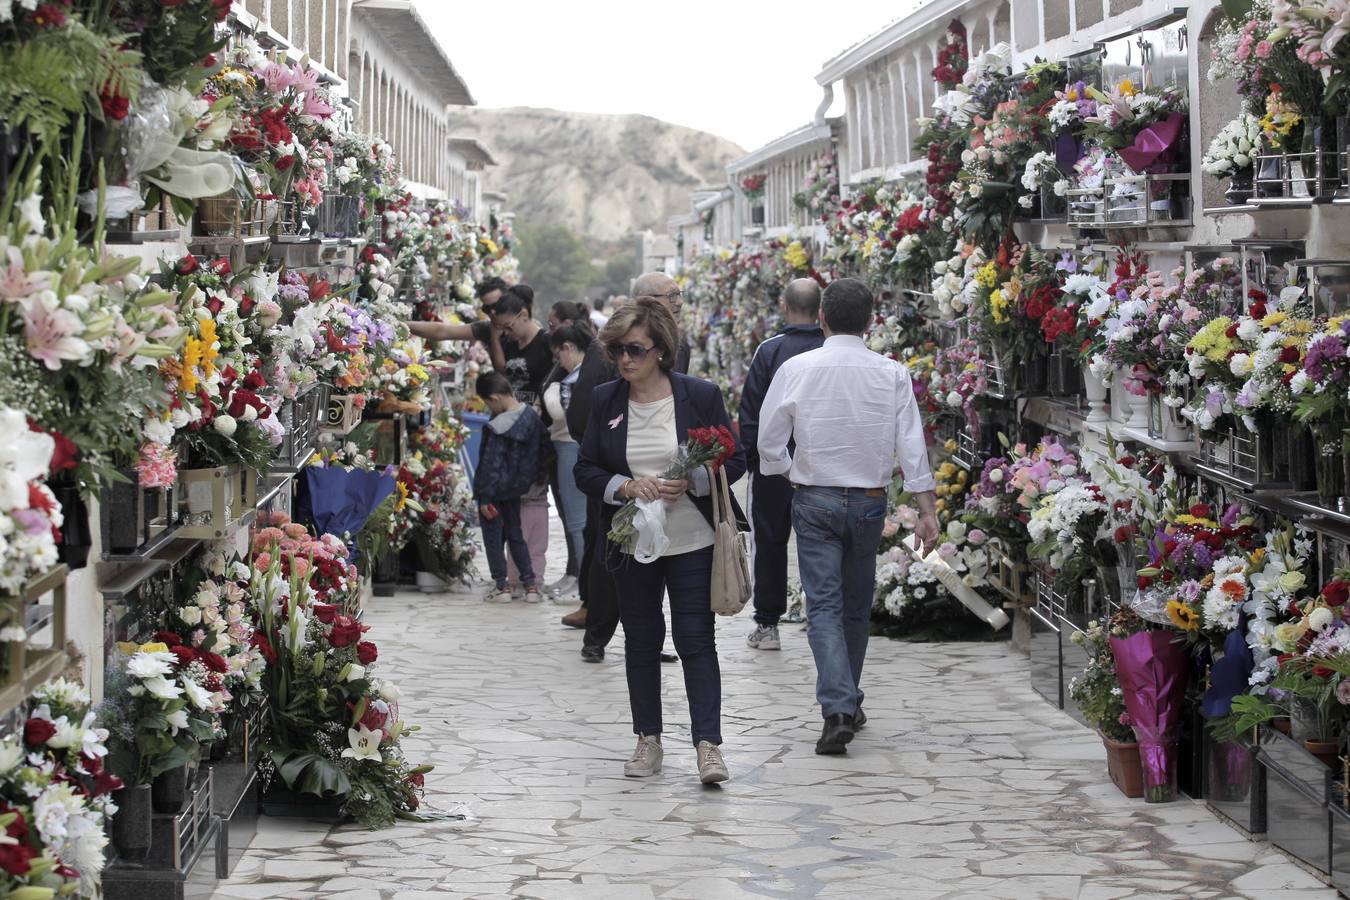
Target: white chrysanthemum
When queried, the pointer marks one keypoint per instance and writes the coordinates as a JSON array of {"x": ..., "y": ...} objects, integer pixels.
[{"x": 150, "y": 664}]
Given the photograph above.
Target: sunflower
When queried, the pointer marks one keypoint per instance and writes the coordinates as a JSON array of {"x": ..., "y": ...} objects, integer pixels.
[{"x": 1182, "y": 615}]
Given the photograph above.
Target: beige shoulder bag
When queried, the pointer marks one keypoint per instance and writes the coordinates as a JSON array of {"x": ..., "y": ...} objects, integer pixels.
[{"x": 730, "y": 570}]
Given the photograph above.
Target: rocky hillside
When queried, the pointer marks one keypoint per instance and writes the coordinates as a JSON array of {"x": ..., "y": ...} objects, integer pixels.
[{"x": 604, "y": 176}]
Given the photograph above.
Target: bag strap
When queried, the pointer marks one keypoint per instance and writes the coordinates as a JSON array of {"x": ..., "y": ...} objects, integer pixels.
[
  {"x": 725, "y": 513},
  {"x": 715, "y": 496}
]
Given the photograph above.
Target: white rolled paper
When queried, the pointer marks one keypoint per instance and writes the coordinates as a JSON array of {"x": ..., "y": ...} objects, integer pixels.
[{"x": 951, "y": 580}]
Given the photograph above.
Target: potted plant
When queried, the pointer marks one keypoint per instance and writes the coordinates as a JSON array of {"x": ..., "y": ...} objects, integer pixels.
[{"x": 1097, "y": 692}]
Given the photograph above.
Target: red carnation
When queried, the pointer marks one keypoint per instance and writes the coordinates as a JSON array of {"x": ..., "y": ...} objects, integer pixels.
[
  {"x": 37, "y": 732},
  {"x": 213, "y": 661},
  {"x": 187, "y": 265},
  {"x": 1322, "y": 671},
  {"x": 16, "y": 857},
  {"x": 325, "y": 612},
  {"x": 115, "y": 106},
  {"x": 49, "y": 15},
  {"x": 1232, "y": 330},
  {"x": 1144, "y": 582},
  {"x": 1200, "y": 510},
  {"x": 1289, "y": 355},
  {"x": 367, "y": 653},
  {"x": 168, "y": 637},
  {"x": 264, "y": 646},
  {"x": 186, "y": 655}
]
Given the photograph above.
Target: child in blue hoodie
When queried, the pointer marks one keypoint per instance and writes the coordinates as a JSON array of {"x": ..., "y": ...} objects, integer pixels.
[{"x": 513, "y": 452}]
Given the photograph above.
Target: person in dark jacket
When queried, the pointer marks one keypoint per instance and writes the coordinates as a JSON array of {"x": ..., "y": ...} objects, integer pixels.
[
  {"x": 636, "y": 427},
  {"x": 770, "y": 496},
  {"x": 513, "y": 451},
  {"x": 599, "y": 614}
]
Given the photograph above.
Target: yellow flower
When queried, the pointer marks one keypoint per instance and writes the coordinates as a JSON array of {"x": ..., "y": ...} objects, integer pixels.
[
  {"x": 402, "y": 495},
  {"x": 1273, "y": 319},
  {"x": 950, "y": 446},
  {"x": 795, "y": 256},
  {"x": 155, "y": 647},
  {"x": 417, "y": 372},
  {"x": 987, "y": 275},
  {"x": 1188, "y": 519},
  {"x": 1182, "y": 615},
  {"x": 998, "y": 307},
  {"x": 1127, "y": 88}
]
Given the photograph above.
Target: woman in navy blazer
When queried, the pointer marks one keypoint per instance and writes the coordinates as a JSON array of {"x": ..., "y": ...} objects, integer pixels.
[{"x": 635, "y": 426}]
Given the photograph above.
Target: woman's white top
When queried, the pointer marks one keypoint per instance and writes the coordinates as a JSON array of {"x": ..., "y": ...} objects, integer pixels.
[
  {"x": 651, "y": 447},
  {"x": 557, "y": 430}
]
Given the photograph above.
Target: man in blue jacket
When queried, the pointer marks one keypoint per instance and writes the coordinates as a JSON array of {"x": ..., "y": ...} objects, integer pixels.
[
  {"x": 770, "y": 496},
  {"x": 510, "y": 461}
]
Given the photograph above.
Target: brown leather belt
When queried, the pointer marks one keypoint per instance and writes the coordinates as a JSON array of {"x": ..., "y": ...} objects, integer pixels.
[{"x": 866, "y": 492}]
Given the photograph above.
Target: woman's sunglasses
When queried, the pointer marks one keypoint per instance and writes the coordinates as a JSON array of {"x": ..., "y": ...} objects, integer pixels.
[{"x": 635, "y": 352}]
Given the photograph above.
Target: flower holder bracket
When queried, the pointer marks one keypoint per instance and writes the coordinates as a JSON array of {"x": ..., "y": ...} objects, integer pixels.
[
  {"x": 342, "y": 414},
  {"x": 230, "y": 217},
  {"x": 1014, "y": 580},
  {"x": 303, "y": 417},
  {"x": 218, "y": 501},
  {"x": 27, "y": 668},
  {"x": 1239, "y": 458},
  {"x": 1295, "y": 179},
  {"x": 159, "y": 223},
  {"x": 177, "y": 839}
]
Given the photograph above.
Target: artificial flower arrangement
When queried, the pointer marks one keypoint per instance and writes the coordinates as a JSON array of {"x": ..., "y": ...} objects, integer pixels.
[
  {"x": 909, "y": 600},
  {"x": 284, "y": 125},
  {"x": 30, "y": 517},
  {"x": 1233, "y": 150},
  {"x": 753, "y": 187},
  {"x": 159, "y": 708},
  {"x": 335, "y": 728},
  {"x": 77, "y": 324},
  {"x": 55, "y": 797},
  {"x": 885, "y": 231},
  {"x": 221, "y": 404},
  {"x": 820, "y": 188},
  {"x": 437, "y": 482},
  {"x": 325, "y": 560}
]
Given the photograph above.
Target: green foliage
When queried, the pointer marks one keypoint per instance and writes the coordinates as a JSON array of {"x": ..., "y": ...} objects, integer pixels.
[
  {"x": 57, "y": 74},
  {"x": 555, "y": 261},
  {"x": 310, "y": 773},
  {"x": 1096, "y": 689}
]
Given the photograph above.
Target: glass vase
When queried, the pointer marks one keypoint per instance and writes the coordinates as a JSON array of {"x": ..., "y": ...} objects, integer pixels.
[{"x": 1329, "y": 446}]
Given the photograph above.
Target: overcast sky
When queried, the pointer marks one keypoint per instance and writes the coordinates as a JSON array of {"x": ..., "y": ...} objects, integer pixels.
[{"x": 742, "y": 69}]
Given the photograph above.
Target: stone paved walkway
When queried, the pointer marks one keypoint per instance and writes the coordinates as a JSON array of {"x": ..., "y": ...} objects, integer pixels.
[{"x": 965, "y": 784}]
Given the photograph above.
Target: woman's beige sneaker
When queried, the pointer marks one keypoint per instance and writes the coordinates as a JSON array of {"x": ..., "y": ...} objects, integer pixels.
[
  {"x": 711, "y": 767},
  {"x": 647, "y": 757}
]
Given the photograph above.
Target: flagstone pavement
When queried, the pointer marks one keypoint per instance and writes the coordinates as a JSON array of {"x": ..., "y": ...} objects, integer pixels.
[{"x": 965, "y": 784}]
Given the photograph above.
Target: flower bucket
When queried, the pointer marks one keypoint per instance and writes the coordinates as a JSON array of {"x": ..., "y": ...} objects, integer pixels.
[
  {"x": 1122, "y": 764},
  {"x": 1329, "y": 447},
  {"x": 170, "y": 790},
  {"x": 1165, "y": 423},
  {"x": 131, "y": 825},
  {"x": 76, "y": 536}
]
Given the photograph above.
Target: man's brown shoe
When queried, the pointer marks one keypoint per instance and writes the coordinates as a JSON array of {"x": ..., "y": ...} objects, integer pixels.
[{"x": 575, "y": 619}]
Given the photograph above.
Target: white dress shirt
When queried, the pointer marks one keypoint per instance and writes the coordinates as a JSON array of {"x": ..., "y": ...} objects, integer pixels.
[{"x": 853, "y": 416}]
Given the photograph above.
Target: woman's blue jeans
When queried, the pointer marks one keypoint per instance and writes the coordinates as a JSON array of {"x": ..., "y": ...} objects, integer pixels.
[{"x": 573, "y": 501}]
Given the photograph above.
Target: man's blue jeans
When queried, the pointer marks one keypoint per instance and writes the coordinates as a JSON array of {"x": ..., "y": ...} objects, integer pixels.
[{"x": 838, "y": 532}]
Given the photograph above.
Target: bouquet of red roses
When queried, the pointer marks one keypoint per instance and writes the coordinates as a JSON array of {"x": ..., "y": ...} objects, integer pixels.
[{"x": 702, "y": 447}]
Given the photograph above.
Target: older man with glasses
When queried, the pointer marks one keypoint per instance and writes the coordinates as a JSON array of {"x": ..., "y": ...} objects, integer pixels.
[{"x": 660, "y": 286}]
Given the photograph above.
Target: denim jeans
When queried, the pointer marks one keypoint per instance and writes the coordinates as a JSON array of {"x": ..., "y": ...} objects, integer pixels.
[
  {"x": 838, "y": 531},
  {"x": 771, "y": 527},
  {"x": 687, "y": 577},
  {"x": 500, "y": 532},
  {"x": 572, "y": 502}
]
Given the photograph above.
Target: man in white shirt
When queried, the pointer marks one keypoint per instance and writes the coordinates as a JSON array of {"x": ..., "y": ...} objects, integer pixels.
[{"x": 853, "y": 417}]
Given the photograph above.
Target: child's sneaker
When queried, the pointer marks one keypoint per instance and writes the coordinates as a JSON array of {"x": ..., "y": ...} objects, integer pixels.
[
  {"x": 497, "y": 595},
  {"x": 532, "y": 595}
]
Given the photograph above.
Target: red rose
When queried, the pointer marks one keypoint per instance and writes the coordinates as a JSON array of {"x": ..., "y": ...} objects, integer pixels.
[
  {"x": 1336, "y": 593},
  {"x": 1144, "y": 582},
  {"x": 1123, "y": 534},
  {"x": 345, "y": 632},
  {"x": 186, "y": 655},
  {"x": 222, "y": 266},
  {"x": 1232, "y": 330},
  {"x": 187, "y": 265},
  {"x": 325, "y": 612},
  {"x": 1289, "y": 355},
  {"x": 37, "y": 732},
  {"x": 1322, "y": 671},
  {"x": 1200, "y": 510},
  {"x": 168, "y": 637},
  {"x": 367, "y": 653}
]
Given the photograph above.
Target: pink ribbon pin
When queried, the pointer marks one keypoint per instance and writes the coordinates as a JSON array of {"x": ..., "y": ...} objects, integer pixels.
[{"x": 614, "y": 422}]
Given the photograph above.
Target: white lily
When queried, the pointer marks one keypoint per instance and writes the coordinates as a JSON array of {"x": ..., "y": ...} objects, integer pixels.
[{"x": 365, "y": 744}]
